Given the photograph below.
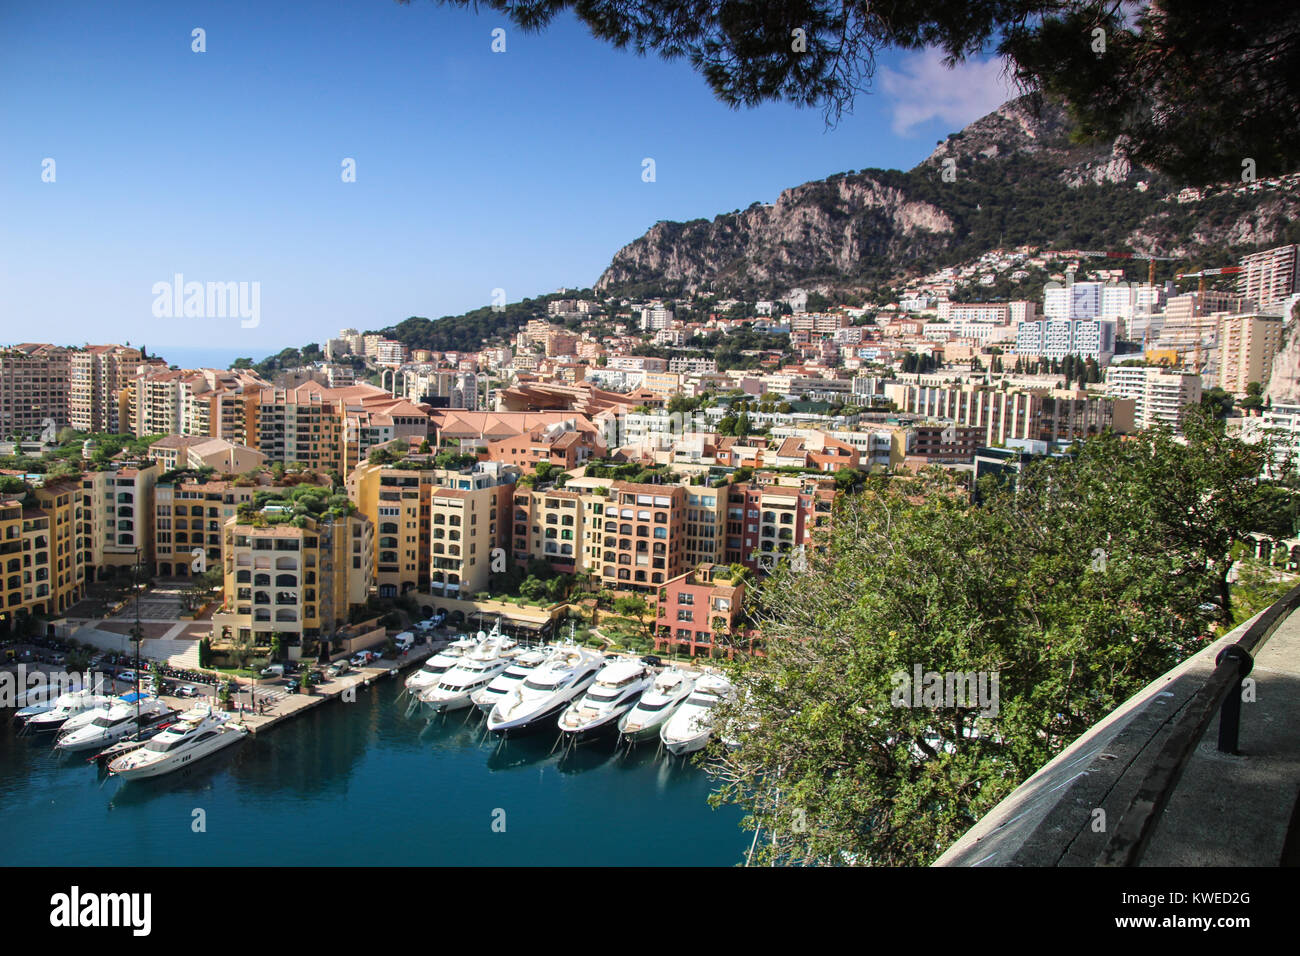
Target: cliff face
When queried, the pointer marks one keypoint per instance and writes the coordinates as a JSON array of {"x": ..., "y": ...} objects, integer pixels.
[
  {"x": 1283, "y": 386},
  {"x": 817, "y": 229},
  {"x": 1011, "y": 178}
]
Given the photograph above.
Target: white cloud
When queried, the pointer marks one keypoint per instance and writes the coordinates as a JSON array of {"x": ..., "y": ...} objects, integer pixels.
[{"x": 923, "y": 89}]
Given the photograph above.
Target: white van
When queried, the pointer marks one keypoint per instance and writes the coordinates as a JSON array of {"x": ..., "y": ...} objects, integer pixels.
[{"x": 404, "y": 641}]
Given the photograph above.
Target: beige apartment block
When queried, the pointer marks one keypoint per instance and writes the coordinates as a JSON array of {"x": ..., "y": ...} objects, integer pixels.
[
  {"x": 299, "y": 579},
  {"x": 1247, "y": 345},
  {"x": 34, "y": 385}
]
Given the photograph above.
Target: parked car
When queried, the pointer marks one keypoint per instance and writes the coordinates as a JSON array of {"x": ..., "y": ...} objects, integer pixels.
[
  {"x": 128, "y": 676},
  {"x": 439, "y": 616},
  {"x": 187, "y": 690},
  {"x": 273, "y": 670},
  {"x": 337, "y": 669}
]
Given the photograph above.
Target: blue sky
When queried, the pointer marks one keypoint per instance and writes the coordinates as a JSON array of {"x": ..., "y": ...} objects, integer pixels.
[{"x": 474, "y": 170}]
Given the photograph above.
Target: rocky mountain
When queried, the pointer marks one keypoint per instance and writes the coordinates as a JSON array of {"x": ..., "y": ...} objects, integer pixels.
[{"x": 1011, "y": 178}]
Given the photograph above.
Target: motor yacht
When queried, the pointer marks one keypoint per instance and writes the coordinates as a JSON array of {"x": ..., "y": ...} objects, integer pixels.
[
  {"x": 656, "y": 705},
  {"x": 65, "y": 708},
  {"x": 688, "y": 730},
  {"x": 432, "y": 671},
  {"x": 519, "y": 668},
  {"x": 539, "y": 697},
  {"x": 41, "y": 698},
  {"x": 474, "y": 672},
  {"x": 196, "y": 734},
  {"x": 611, "y": 695},
  {"x": 120, "y": 720}
]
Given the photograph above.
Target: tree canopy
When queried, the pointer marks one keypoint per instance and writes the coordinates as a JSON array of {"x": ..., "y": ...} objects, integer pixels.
[
  {"x": 1194, "y": 87},
  {"x": 1075, "y": 587}
]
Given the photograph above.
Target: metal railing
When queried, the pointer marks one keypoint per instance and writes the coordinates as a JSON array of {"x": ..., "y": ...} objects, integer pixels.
[{"x": 1221, "y": 692}]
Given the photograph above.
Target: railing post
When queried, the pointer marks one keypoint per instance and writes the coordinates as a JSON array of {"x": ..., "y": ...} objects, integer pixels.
[{"x": 1230, "y": 712}]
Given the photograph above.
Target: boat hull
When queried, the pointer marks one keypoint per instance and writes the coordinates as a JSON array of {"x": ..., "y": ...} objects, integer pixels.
[
  {"x": 178, "y": 761},
  {"x": 681, "y": 748},
  {"x": 531, "y": 724}
]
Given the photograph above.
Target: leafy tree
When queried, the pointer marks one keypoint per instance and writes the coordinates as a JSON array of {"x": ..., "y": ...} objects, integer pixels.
[
  {"x": 1076, "y": 588},
  {"x": 638, "y": 610},
  {"x": 1217, "y": 401},
  {"x": 1254, "y": 399},
  {"x": 1192, "y": 87}
]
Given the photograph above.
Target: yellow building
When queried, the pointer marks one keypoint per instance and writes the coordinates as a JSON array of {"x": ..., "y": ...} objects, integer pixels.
[
  {"x": 190, "y": 516},
  {"x": 415, "y": 535},
  {"x": 43, "y": 571},
  {"x": 297, "y": 577}
]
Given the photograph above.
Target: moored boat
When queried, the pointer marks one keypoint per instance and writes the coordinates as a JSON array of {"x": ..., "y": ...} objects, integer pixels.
[
  {"x": 612, "y": 694},
  {"x": 538, "y": 699},
  {"x": 120, "y": 720},
  {"x": 689, "y": 729},
  {"x": 194, "y": 735},
  {"x": 669, "y": 690}
]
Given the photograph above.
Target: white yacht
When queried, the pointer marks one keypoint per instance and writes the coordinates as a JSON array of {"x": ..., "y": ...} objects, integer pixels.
[
  {"x": 474, "y": 672},
  {"x": 37, "y": 700},
  {"x": 689, "y": 728},
  {"x": 195, "y": 734},
  {"x": 519, "y": 668},
  {"x": 656, "y": 705},
  {"x": 108, "y": 727},
  {"x": 539, "y": 697},
  {"x": 613, "y": 693},
  {"x": 65, "y": 708},
  {"x": 432, "y": 671}
]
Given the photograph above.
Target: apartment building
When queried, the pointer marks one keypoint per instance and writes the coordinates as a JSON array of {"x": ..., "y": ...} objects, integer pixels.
[
  {"x": 699, "y": 612},
  {"x": 299, "y": 579},
  {"x": 194, "y": 451},
  {"x": 1055, "y": 339},
  {"x": 1050, "y": 415},
  {"x": 189, "y": 523},
  {"x": 205, "y": 402},
  {"x": 644, "y": 544},
  {"x": 819, "y": 323},
  {"x": 122, "y": 512},
  {"x": 772, "y": 521},
  {"x": 98, "y": 375},
  {"x": 706, "y": 519},
  {"x": 415, "y": 537},
  {"x": 1247, "y": 346},
  {"x": 34, "y": 387},
  {"x": 42, "y": 570},
  {"x": 468, "y": 527},
  {"x": 1269, "y": 278},
  {"x": 563, "y": 445},
  {"x": 1159, "y": 395},
  {"x": 942, "y": 444},
  {"x": 549, "y": 526},
  {"x": 1074, "y": 300}
]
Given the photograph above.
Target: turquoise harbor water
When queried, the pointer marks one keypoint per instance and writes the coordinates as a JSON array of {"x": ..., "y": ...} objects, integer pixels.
[{"x": 362, "y": 784}]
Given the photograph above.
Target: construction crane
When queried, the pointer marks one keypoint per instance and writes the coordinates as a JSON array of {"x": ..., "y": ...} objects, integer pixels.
[
  {"x": 1152, "y": 260},
  {"x": 1222, "y": 271}
]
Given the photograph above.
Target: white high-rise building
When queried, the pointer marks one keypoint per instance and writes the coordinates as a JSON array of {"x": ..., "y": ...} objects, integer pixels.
[
  {"x": 1160, "y": 395},
  {"x": 1074, "y": 300},
  {"x": 1124, "y": 301},
  {"x": 1055, "y": 339}
]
